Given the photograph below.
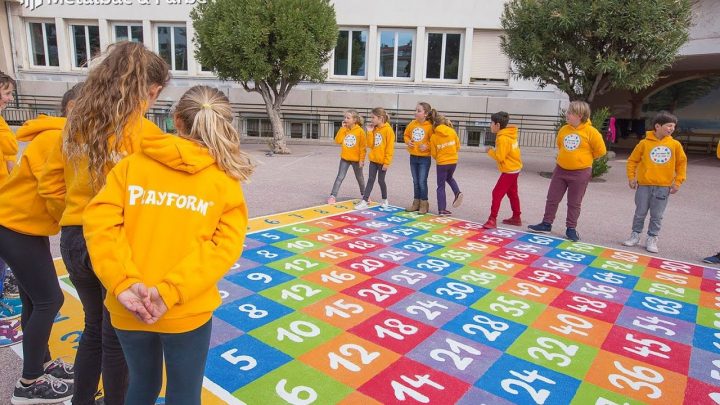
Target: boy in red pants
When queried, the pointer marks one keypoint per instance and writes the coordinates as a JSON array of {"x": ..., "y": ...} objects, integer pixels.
[{"x": 507, "y": 155}]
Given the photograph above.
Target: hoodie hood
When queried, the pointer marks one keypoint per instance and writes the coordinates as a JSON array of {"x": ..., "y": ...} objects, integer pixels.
[
  {"x": 177, "y": 153},
  {"x": 650, "y": 136},
  {"x": 444, "y": 131},
  {"x": 510, "y": 132},
  {"x": 34, "y": 127}
]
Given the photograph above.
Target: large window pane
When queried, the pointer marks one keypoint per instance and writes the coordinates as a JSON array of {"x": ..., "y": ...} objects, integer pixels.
[
  {"x": 434, "y": 55},
  {"x": 404, "y": 59},
  {"x": 121, "y": 33},
  {"x": 38, "y": 44},
  {"x": 452, "y": 56},
  {"x": 359, "y": 43},
  {"x": 180, "y": 48},
  {"x": 52, "y": 47},
  {"x": 80, "y": 51},
  {"x": 341, "y": 53},
  {"x": 164, "y": 44},
  {"x": 136, "y": 33},
  {"x": 387, "y": 53},
  {"x": 94, "y": 35}
]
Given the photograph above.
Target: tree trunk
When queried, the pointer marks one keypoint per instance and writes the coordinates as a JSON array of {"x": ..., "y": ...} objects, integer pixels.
[
  {"x": 278, "y": 144},
  {"x": 636, "y": 103}
]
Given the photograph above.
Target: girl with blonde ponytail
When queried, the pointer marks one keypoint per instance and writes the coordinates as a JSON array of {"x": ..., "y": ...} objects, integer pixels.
[{"x": 181, "y": 194}]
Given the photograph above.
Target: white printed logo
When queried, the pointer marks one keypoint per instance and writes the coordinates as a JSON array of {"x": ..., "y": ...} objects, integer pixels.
[
  {"x": 571, "y": 142},
  {"x": 660, "y": 154},
  {"x": 350, "y": 140},
  {"x": 378, "y": 139},
  {"x": 140, "y": 196},
  {"x": 418, "y": 134}
]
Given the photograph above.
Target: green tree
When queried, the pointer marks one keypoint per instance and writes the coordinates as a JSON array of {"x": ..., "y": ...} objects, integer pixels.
[
  {"x": 587, "y": 47},
  {"x": 268, "y": 46}
]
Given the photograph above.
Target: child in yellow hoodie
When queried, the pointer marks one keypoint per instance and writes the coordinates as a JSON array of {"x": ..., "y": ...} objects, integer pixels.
[
  {"x": 180, "y": 194},
  {"x": 579, "y": 143},
  {"x": 381, "y": 142},
  {"x": 8, "y": 144},
  {"x": 8, "y": 152},
  {"x": 351, "y": 137},
  {"x": 26, "y": 222},
  {"x": 444, "y": 148},
  {"x": 106, "y": 125},
  {"x": 655, "y": 169},
  {"x": 417, "y": 139},
  {"x": 507, "y": 155}
]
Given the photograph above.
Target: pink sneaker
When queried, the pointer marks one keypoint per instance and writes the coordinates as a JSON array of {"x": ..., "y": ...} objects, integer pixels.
[{"x": 331, "y": 199}]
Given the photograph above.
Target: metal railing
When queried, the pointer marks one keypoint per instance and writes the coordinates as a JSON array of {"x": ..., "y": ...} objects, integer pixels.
[{"x": 314, "y": 122}]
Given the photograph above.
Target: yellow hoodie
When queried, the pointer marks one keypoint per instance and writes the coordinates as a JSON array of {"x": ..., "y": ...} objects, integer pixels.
[
  {"x": 657, "y": 162},
  {"x": 353, "y": 143},
  {"x": 8, "y": 149},
  {"x": 444, "y": 145},
  {"x": 65, "y": 183},
  {"x": 167, "y": 217},
  {"x": 21, "y": 207},
  {"x": 507, "y": 150},
  {"x": 578, "y": 147},
  {"x": 420, "y": 135},
  {"x": 381, "y": 142}
]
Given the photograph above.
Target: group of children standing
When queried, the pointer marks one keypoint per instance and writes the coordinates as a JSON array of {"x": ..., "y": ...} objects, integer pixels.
[
  {"x": 126, "y": 198},
  {"x": 655, "y": 169}
]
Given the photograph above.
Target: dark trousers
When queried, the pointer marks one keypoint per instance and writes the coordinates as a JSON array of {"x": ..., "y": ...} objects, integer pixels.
[
  {"x": 420, "y": 169},
  {"x": 575, "y": 183},
  {"x": 375, "y": 170},
  {"x": 29, "y": 257},
  {"x": 445, "y": 175},
  {"x": 185, "y": 355},
  {"x": 507, "y": 184},
  {"x": 99, "y": 349}
]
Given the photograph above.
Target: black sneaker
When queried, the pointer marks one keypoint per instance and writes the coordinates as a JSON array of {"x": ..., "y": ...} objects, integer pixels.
[
  {"x": 712, "y": 259},
  {"x": 10, "y": 285},
  {"x": 572, "y": 234},
  {"x": 61, "y": 370},
  {"x": 542, "y": 227},
  {"x": 45, "y": 390}
]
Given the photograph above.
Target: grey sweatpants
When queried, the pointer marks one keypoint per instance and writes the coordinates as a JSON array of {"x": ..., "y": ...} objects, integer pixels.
[{"x": 653, "y": 199}]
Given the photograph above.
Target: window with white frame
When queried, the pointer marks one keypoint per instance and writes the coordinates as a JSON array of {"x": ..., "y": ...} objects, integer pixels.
[
  {"x": 128, "y": 32},
  {"x": 86, "y": 43},
  {"x": 443, "y": 56},
  {"x": 43, "y": 44},
  {"x": 172, "y": 45},
  {"x": 350, "y": 53},
  {"x": 396, "y": 54}
]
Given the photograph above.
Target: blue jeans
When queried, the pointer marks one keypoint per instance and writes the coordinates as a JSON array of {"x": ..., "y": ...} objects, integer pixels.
[
  {"x": 185, "y": 355},
  {"x": 420, "y": 168}
]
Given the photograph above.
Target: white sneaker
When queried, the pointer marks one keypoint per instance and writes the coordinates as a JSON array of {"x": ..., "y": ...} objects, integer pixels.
[
  {"x": 385, "y": 203},
  {"x": 361, "y": 205},
  {"x": 651, "y": 244},
  {"x": 634, "y": 239}
]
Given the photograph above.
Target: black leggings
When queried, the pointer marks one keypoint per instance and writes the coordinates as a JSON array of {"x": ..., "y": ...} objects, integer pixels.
[
  {"x": 376, "y": 168},
  {"x": 30, "y": 259},
  {"x": 99, "y": 348}
]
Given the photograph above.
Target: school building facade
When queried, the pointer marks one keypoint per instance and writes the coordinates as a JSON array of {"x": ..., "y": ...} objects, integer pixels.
[{"x": 389, "y": 53}]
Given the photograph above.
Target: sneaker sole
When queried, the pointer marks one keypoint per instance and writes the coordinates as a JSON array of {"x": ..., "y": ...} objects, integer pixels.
[
  {"x": 458, "y": 201},
  {"x": 630, "y": 244},
  {"x": 534, "y": 231},
  {"x": 31, "y": 401}
]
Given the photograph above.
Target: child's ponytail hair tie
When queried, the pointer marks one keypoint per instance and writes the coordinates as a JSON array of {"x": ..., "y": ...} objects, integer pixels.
[{"x": 206, "y": 106}]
